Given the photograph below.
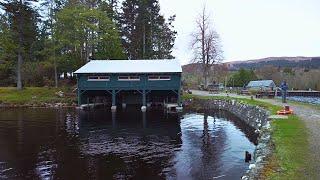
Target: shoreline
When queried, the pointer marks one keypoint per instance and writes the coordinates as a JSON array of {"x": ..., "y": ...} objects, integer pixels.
[
  {"x": 47, "y": 105},
  {"x": 37, "y": 97}
]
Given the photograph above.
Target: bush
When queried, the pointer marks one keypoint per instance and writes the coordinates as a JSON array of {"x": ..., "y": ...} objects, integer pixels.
[
  {"x": 6, "y": 74},
  {"x": 38, "y": 74}
]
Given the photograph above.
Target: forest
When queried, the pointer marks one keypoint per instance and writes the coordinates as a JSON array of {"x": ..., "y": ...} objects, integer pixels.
[
  {"x": 296, "y": 77},
  {"x": 39, "y": 40}
]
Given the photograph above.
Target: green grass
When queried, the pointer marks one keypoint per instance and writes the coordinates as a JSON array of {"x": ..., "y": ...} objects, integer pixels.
[
  {"x": 291, "y": 149},
  {"x": 33, "y": 95},
  {"x": 290, "y": 137}
]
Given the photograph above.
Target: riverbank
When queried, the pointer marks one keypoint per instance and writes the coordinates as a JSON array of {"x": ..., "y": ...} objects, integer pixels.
[
  {"x": 291, "y": 156},
  {"x": 37, "y": 97}
]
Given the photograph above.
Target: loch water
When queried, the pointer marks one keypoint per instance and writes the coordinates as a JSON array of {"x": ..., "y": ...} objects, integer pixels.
[{"x": 127, "y": 144}]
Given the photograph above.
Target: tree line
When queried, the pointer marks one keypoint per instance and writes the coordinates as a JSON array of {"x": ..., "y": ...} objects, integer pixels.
[
  {"x": 41, "y": 39},
  {"x": 297, "y": 78}
]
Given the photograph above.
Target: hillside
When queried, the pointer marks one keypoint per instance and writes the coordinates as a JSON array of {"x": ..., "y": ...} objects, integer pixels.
[
  {"x": 191, "y": 68},
  {"x": 282, "y": 62},
  {"x": 292, "y": 62}
]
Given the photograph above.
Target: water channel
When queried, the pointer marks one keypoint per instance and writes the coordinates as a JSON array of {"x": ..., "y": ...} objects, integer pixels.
[{"x": 128, "y": 144}]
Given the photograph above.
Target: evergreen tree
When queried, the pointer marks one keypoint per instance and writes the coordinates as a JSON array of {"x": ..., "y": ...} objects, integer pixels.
[
  {"x": 145, "y": 32},
  {"x": 111, "y": 7},
  {"x": 47, "y": 41},
  {"x": 84, "y": 33},
  {"x": 22, "y": 26},
  {"x": 7, "y": 52},
  {"x": 242, "y": 78},
  {"x": 66, "y": 35}
]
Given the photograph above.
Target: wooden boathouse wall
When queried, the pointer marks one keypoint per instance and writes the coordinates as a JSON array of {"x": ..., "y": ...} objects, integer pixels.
[
  {"x": 113, "y": 86},
  {"x": 147, "y": 81}
]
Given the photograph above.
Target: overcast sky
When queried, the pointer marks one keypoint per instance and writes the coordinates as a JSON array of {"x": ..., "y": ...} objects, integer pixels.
[{"x": 251, "y": 29}]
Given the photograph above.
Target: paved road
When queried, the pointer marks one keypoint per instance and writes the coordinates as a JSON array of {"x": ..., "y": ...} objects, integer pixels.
[{"x": 310, "y": 116}]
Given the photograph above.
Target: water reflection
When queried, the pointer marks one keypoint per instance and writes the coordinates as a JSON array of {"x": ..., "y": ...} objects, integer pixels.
[
  {"x": 128, "y": 144},
  {"x": 143, "y": 147}
]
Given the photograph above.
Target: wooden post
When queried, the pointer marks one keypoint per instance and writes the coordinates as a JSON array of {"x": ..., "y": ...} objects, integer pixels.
[
  {"x": 113, "y": 97},
  {"x": 113, "y": 107},
  {"x": 144, "y": 101}
]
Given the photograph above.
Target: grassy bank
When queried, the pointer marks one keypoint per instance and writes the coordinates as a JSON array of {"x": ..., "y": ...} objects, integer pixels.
[
  {"x": 35, "y": 96},
  {"x": 290, "y": 159}
]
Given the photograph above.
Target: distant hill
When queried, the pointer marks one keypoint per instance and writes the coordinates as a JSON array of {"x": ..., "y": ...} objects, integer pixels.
[
  {"x": 282, "y": 62},
  {"x": 292, "y": 62},
  {"x": 191, "y": 68}
]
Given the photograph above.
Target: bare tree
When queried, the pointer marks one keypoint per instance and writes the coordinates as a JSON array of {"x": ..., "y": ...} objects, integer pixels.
[{"x": 205, "y": 45}]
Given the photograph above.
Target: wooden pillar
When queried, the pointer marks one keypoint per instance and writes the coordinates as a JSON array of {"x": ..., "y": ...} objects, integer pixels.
[
  {"x": 114, "y": 107},
  {"x": 144, "y": 100},
  {"x": 113, "y": 97}
]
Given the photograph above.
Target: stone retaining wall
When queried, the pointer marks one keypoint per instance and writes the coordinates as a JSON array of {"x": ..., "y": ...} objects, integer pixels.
[{"x": 255, "y": 117}]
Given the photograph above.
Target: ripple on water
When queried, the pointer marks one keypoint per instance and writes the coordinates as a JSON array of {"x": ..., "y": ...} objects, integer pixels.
[{"x": 69, "y": 144}]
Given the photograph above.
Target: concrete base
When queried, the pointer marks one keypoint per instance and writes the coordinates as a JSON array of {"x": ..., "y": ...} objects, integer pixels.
[
  {"x": 124, "y": 105},
  {"x": 179, "y": 109},
  {"x": 143, "y": 108},
  {"x": 113, "y": 108}
]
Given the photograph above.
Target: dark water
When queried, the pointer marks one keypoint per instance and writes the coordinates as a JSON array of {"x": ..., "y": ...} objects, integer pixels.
[{"x": 72, "y": 144}]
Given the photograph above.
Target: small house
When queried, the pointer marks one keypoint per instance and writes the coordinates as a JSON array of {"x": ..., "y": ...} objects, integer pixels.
[
  {"x": 142, "y": 82},
  {"x": 261, "y": 85}
]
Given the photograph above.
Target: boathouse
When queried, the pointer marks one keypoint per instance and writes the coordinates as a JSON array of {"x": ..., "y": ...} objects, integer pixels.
[
  {"x": 122, "y": 82},
  {"x": 261, "y": 85}
]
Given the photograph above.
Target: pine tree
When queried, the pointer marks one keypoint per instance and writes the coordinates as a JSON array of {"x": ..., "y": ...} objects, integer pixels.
[
  {"x": 50, "y": 8},
  {"x": 22, "y": 23},
  {"x": 128, "y": 28},
  {"x": 145, "y": 32}
]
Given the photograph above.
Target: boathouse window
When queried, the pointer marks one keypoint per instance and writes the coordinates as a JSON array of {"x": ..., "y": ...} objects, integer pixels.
[
  {"x": 159, "y": 78},
  {"x": 98, "y": 78},
  {"x": 128, "y": 78}
]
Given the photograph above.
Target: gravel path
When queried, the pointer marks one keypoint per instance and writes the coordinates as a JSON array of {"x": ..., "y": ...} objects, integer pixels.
[
  {"x": 309, "y": 114},
  {"x": 206, "y": 93}
]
